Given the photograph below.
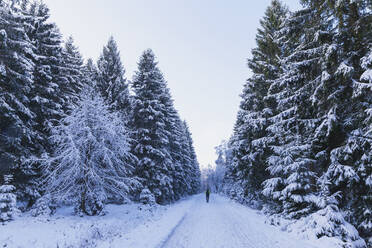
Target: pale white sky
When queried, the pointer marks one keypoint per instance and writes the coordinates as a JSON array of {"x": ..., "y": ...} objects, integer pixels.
[{"x": 201, "y": 45}]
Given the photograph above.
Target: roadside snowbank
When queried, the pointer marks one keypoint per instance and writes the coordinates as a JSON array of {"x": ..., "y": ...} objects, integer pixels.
[
  {"x": 309, "y": 228},
  {"x": 67, "y": 230}
]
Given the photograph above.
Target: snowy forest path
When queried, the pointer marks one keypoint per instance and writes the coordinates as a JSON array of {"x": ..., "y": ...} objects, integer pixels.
[
  {"x": 223, "y": 223},
  {"x": 219, "y": 223}
]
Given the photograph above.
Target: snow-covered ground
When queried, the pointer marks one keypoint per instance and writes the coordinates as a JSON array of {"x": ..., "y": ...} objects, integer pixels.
[
  {"x": 189, "y": 223},
  {"x": 67, "y": 230}
]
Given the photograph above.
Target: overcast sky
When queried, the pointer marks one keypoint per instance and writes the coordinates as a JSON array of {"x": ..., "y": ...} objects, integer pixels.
[{"x": 201, "y": 46}]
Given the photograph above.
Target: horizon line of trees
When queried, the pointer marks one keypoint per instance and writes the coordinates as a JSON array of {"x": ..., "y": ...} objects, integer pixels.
[
  {"x": 78, "y": 132},
  {"x": 301, "y": 145}
]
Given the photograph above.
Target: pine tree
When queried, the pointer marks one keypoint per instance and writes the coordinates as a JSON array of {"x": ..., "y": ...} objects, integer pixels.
[
  {"x": 180, "y": 163},
  {"x": 46, "y": 100},
  {"x": 111, "y": 82},
  {"x": 16, "y": 81},
  {"x": 45, "y": 97},
  {"x": 362, "y": 143},
  {"x": 151, "y": 138},
  {"x": 194, "y": 168},
  {"x": 92, "y": 162},
  {"x": 344, "y": 101},
  {"x": 90, "y": 73},
  {"x": 71, "y": 73},
  {"x": 293, "y": 164},
  {"x": 7, "y": 200},
  {"x": 250, "y": 142},
  {"x": 179, "y": 149}
]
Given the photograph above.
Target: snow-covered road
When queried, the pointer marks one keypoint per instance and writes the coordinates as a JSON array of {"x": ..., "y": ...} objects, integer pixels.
[
  {"x": 188, "y": 223},
  {"x": 221, "y": 223}
]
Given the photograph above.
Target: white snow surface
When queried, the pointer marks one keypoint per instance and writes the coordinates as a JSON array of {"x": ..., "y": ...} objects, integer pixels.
[
  {"x": 64, "y": 229},
  {"x": 189, "y": 223}
]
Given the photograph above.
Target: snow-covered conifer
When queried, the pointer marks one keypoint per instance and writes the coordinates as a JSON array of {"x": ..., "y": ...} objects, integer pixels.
[
  {"x": 71, "y": 73},
  {"x": 111, "y": 82},
  {"x": 90, "y": 73},
  {"x": 92, "y": 162},
  {"x": 46, "y": 101},
  {"x": 16, "y": 82},
  {"x": 194, "y": 170},
  {"x": 250, "y": 141},
  {"x": 146, "y": 197},
  {"x": 7, "y": 200},
  {"x": 151, "y": 138},
  {"x": 360, "y": 142},
  {"x": 292, "y": 164}
]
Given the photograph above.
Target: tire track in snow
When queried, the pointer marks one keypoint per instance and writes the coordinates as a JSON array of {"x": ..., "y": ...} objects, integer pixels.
[
  {"x": 170, "y": 235},
  {"x": 154, "y": 233}
]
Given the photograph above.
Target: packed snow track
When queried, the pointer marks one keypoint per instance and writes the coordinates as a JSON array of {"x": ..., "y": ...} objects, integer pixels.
[{"x": 221, "y": 223}]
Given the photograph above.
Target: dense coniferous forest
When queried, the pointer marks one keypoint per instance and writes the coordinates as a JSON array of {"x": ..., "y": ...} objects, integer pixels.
[
  {"x": 301, "y": 145},
  {"x": 77, "y": 132}
]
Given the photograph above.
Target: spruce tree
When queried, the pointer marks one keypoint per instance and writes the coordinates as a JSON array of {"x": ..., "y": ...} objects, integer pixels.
[
  {"x": 46, "y": 101},
  {"x": 7, "y": 200},
  {"x": 362, "y": 143},
  {"x": 179, "y": 167},
  {"x": 293, "y": 164},
  {"x": 183, "y": 178},
  {"x": 71, "y": 73},
  {"x": 194, "y": 168},
  {"x": 249, "y": 142},
  {"x": 179, "y": 149},
  {"x": 90, "y": 73},
  {"x": 111, "y": 82},
  {"x": 151, "y": 138},
  {"x": 16, "y": 82},
  {"x": 344, "y": 102}
]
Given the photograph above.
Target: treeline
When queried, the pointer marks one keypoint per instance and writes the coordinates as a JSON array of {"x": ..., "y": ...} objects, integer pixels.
[
  {"x": 78, "y": 132},
  {"x": 301, "y": 145},
  {"x": 213, "y": 176}
]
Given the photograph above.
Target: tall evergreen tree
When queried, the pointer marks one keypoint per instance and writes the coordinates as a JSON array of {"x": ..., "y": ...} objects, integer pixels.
[
  {"x": 45, "y": 95},
  {"x": 16, "y": 82},
  {"x": 363, "y": 192},
  {"x": 194, "y": 168},
  {"x": 111, "y": 82},
  {"x": 90, "y": 73},
  {"x": 174, "y": 128},
  {"x": 7, "y": 200},
  {"x": 71, "y": 73},
  {"x": 344, "y": 101},
  {"x": 151, "y": 138},
  {"x": 46, "y": 100},
  {"x": 250, "y": 147},
  {"x": 293, "y": 165}
]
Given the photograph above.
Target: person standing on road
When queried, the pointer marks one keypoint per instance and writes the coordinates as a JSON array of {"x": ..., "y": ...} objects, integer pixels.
[{"x": 207, "y": 193}]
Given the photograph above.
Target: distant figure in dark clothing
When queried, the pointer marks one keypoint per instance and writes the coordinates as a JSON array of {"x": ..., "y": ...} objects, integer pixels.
[{"x": 207, "y": 193}]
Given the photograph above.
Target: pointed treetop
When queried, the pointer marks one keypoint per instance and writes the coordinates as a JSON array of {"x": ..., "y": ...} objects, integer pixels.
[
  {"x": 148, "y": 72},
  {"x": 274, "y": 15},
  {"x": 90, "y": 64},
  {"x": 69, "y": 44},
  {"x": 110, "y": 59},
  {"x": 147, "y": 58}
]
